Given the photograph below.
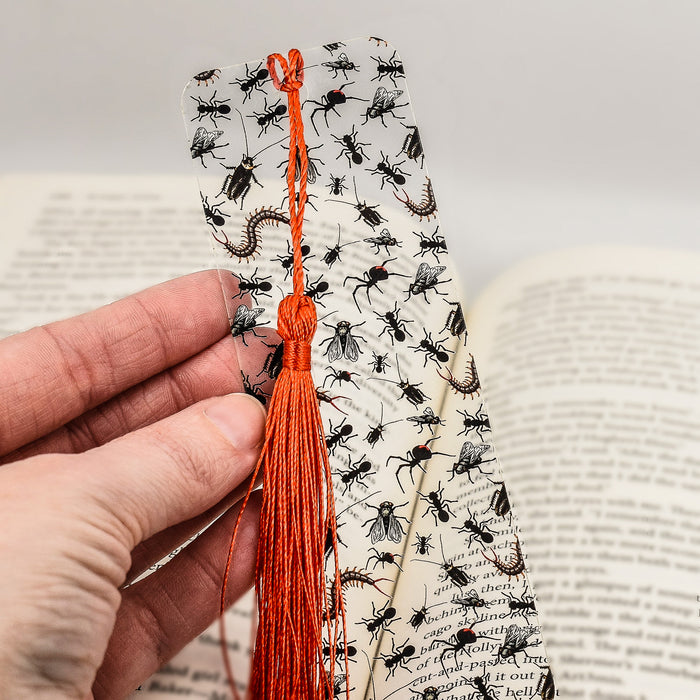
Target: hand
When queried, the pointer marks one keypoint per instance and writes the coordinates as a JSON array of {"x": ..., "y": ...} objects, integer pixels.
[{"x": 114, "y": 454}]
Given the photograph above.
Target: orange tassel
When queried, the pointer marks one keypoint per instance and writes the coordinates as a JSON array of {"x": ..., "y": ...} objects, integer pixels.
[{"x": 297, "y": 617}]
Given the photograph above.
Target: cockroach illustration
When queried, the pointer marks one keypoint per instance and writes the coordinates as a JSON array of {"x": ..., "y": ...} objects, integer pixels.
[
  {"x": 427, "y": 207},
  {"x": 455, "y": 321},
  {"x": 273, "y": 362},
  {"x": 546, "y": 688},
  {"x": 411, "y": 392},
  {"x": 368, "y": 213},
  {"x": 456, "y": 574},
  {"x": 470, "y": 385},
  {"x": 515, "y": 566},
  {"x": 332, "y": 255},
  {"x": 500, "y": 503},
  {"x": 376, "y": 432},
  {"x": 412, "y": 145},
  {"x": 252, "y": 238},
  {"x": 206, "y": 75}
]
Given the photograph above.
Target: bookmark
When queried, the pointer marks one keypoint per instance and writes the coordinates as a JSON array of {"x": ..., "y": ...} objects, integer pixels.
[{"x": 389, "y": 560}]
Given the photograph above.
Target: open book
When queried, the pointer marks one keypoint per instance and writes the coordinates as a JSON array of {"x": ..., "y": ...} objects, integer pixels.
[{"x": 589, "y": 362}]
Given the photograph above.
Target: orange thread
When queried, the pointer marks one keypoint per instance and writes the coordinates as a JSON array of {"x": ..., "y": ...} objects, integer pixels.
[{"x": 298, "y": 509}]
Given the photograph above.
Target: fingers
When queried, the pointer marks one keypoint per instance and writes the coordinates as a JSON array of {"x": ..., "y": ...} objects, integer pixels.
[
  {"x": 214, "y": 371},
  {"x": 162, "y": 613},
  {"x": 175, "y": 469},
  {"x": 57, "y": 372}
]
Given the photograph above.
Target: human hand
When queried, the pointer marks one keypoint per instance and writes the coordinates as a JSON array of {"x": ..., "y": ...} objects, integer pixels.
[{"x": 114, "y": 454}]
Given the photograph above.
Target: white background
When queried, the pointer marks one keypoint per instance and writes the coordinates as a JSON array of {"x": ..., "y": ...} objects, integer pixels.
[{"x": 547, "y": 123}]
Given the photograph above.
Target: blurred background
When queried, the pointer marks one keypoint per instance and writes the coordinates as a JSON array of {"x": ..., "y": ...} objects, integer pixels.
[{"x": 546, "y": 124}]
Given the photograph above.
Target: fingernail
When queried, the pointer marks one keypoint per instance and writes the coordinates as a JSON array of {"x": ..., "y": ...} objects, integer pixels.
[{"x": 240, "y": 418}]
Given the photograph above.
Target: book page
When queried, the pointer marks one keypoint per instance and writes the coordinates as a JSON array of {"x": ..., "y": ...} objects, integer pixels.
[{"x": 591, "y": 363}]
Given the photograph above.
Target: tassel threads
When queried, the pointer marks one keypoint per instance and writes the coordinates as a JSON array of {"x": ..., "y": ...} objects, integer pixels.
[{"x": 298, "y": 509}]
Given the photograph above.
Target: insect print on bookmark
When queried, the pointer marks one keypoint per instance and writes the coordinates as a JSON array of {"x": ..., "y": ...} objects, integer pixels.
[{"x": 404, "y": 420}]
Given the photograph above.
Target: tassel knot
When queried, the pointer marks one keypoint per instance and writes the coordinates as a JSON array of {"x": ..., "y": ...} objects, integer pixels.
[{"x": 293, "y": 71}]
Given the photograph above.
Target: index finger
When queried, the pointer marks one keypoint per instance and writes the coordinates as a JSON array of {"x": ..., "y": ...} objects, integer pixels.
[{"x": 55, "y": 373}]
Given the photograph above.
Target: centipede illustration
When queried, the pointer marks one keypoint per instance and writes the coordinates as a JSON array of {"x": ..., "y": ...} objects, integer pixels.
[
  {"x": 252, "y": 239},
  {"x": 515, "y": 566},
  {"x": 349, "y": 577},
  {"x": 427, "y": 206},
  {"x": 470, "y": 385}
]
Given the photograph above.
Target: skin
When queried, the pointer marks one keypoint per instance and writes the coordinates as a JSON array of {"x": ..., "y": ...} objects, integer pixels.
[{"x": 123, "y": 432}]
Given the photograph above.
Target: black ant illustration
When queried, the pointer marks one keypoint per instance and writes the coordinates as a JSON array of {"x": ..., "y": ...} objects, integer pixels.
[
  {"x": 270, "y": 115},
  {"x": 500, "y": 503},
  {"x": 413, "y": 458},
  {"x": 412, "y": 145},
  {"x": 390, "y": 68},
  {"x": 455, "y": 321},
  {"x": 395, "y": 326},
  {"x": 237, "y": 184},
  {"x": 212, "y": 213},
  {"x": 273, "y": 361},
  {"x": 336, "y": 185},
  {"x": 383, "y": 240},
  {"x": 390, "y": 173},
  {"x": 438, "y": 505},
  {"x": 380, "y": 620},
  {"x": 206, "y": 75},
  {"x": 515, "y": 640},
  {"x": 477, "y": 530},
  {"x": 398, "y": 657},
  {"x": 456, "y": 574},
  {"x": 427, "y": 418},
  {"x": 470, "y": 458},
  {"x": 411, "y": 392},
  {"x": 422, "y": 544},
  {"x": 384, "y": 102},
  {"x": 333, "y": 254},
  {"x": 339, "y": 376},
  {"x": 376, "y": 432},
  {"x": 339, "y": 436},
  {"x": 383, "y": 558},
  {"x": 459, "y": 641},
  {"x": 433, "y": 349},
  {"x": 426, "y": 279},
  {"x": 341, "y": 650},
  {"x": 355, "y": 473},
  {"x": 483, "y": 686},
  {"x": 254, "y": 79},
  {"x": 428, "y": 693},
  {"x": 524, "y": 606},
  {"x": 318, "y": 290},
  {"x": 379, "y": 363},
  {"x": 471, "y": 600},
  {"x": 203, "y": 143},
  {"x": 254, "y": 389},
  {"x": 371, "y": 279},
  {"x": 211, "y": 108},
  {"x": 244, "y": 320},
  {"x": 386, "y": 524},
  {"x": 253, "y": 286},
  {"x": 341, "y": 64},
  {"x": 368, "y": 213},
  {"x": 329, "y": 102},
  {"x": 351, "y": 148},
  {"x": 479, "y": 422},
  {"x": 287, "y": 261},
  {"x": 343, "y": 342},
  {"x": 430, "y": 244}
]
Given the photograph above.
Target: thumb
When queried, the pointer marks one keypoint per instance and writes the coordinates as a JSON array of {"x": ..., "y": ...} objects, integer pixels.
[{"x": 178, "y": 467}]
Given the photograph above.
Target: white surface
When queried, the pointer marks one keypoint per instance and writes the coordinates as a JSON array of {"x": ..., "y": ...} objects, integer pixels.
[{"x": 547, "y": 123}]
